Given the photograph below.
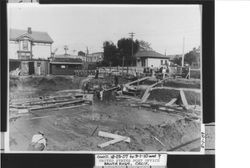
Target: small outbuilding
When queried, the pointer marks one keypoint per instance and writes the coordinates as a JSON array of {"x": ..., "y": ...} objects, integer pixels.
[
  {"x": 65, "y": 64},
  {"x": 30, "y": 66}
]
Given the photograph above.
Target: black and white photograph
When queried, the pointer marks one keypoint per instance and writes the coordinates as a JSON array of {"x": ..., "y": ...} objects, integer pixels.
[{"x": 105, "y": 78}]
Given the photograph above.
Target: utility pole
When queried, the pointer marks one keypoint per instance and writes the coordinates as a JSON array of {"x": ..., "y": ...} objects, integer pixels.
[
  {"x": 66, "y": 49},
  {"x": 132, "y": 36},
  {"x": 183, "y": 47}
]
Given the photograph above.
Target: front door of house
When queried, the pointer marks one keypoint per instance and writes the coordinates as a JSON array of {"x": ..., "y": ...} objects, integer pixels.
[{"x": 31, "y": 68}]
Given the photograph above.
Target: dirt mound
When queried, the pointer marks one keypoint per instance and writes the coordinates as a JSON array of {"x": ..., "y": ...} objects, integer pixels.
[
  {"x": 40, "y": 86},
  {"x": 177, "y": 136},
  {"x": 182, "y": 83},
  {"x": 14, "y": 82}
]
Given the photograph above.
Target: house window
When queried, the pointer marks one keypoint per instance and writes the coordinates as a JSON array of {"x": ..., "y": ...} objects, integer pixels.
[
  {"x": 25, "y": 45},
  {"x": 161, "y": 62},
  {"x": 63, "y": 66}
]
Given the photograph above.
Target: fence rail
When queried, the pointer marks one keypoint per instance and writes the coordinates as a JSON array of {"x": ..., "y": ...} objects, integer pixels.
[{"x": 173, "y": 71}]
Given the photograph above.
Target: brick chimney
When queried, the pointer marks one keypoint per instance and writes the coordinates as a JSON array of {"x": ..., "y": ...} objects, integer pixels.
[{"x": 29, "y": 30}]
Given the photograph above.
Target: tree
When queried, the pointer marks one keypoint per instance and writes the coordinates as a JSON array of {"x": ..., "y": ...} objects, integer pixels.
[
  {"x": 177, "y": 60},
  {"x": 110, "y": 54},
  {"x": 146, "y": 46},
  {"x": 81, "y": 53},
  {"x": 192, "y": 56},
  {"x": 125, "y": 47}
]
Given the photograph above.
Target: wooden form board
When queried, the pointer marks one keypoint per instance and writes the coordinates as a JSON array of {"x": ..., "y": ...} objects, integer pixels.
[
  {"x": 183, "y": 98},
  {"x": 112, "y": 142},
  {"x": 138, "y": 80},
  {"x": 175, "y": 88},
  {"x": 147, "y": 92},
  {"x": 171, "y": 102},
  {"x": 56, "y": 105},
  {"x": 114, "y": 136}
]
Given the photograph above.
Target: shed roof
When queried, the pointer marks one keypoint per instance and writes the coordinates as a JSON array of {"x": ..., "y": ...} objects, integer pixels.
[
  {"x": 150, "y": 54},
  {"x": 36, "y": 36},
  {"x": 66, "y": 61}
]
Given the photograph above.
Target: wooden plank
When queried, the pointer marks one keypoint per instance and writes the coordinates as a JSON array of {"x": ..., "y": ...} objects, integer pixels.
[
  {"x": 175, "y": 88},
  {"x": 138, "y": 80},
  {"x": 56, "y": 105},
  {"x": 146, "y": 95},
  {"x": 171, "y": 102},
  {"x": 114, "y": 136},
  {"x": 94, "y": 130},
  {"x": 116, "y": 140},
  {"x": 54, "y": 102},
  {"x": 159, "y": 141},
  {"x": 48, "y": 98},
  {"x": 147, "y": 92},
  {"x": 183, "y": 99}
]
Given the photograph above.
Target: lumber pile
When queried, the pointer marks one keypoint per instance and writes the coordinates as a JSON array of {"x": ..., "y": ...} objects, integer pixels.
[{"x": 48, "y": 102}]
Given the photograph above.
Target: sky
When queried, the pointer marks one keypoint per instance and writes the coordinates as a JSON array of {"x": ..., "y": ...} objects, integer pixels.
[{"x": 82, "y": 26}]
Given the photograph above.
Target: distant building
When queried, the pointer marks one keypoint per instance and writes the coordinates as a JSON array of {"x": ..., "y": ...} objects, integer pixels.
[
  {"x": 27, "y": 44},
  {"x": 150, "y": 59},
  {"x": 94, "y": 57},
  {"x": 65, "y": 64}
]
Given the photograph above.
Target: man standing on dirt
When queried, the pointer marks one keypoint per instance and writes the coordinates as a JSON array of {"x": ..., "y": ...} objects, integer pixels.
[
  {"x": 86, "y": 87},
  {"x": 163, "y": 72},
  {"x": 96, "y": 73}
]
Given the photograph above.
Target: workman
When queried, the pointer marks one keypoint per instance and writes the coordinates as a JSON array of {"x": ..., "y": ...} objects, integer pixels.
[
  {"x": 96, "y": 73},
  {"x": 86, "y": 87},
  {"x": 163, "y": 72},
  {"x": 38, "y": 142},
  {"x": 116, "y": 80}
]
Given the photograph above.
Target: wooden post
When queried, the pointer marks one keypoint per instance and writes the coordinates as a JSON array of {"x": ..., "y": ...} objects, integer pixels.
[
  {"x": 51, "y": 49},
  {"x": 31, "y": 50}
]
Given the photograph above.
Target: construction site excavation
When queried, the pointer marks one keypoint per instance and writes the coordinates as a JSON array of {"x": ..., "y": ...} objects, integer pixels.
[
  {"x": 105, "y": 78},
  {"x": 113, "y": 112}
]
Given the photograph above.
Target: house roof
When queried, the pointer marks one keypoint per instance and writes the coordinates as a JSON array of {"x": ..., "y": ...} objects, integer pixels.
[
  {"x": 66, "y": 61},
  {"x": 150, "y": 54},
  {"x": 36, "y": 36}
]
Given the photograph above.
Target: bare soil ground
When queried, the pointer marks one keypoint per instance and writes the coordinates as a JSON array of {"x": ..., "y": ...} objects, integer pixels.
[{"x": 73, "y": 129}]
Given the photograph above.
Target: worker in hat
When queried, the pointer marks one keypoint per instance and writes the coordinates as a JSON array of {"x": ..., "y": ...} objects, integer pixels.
[{"x": 38, "y": 142}]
